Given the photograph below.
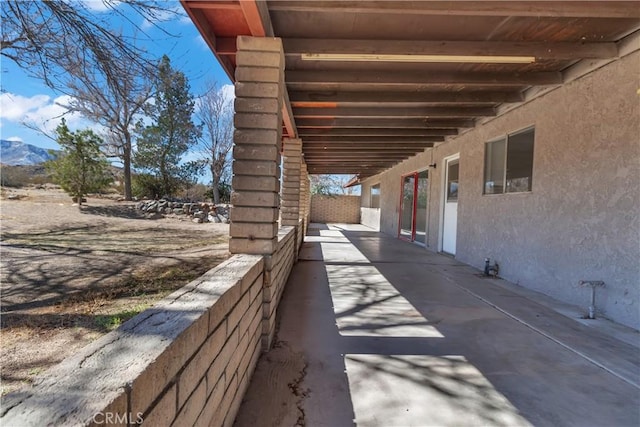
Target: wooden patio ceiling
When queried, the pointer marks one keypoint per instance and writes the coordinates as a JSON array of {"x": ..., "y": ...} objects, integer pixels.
[{"x": 371, "y": 83}]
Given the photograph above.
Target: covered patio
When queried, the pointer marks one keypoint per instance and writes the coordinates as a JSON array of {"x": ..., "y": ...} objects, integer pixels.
[
  {"x": 335, "y": 325},
  {"x": 374, "y": 331}
]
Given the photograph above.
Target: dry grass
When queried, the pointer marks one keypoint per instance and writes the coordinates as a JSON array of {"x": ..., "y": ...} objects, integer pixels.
[{"x": 71, "y": 275}]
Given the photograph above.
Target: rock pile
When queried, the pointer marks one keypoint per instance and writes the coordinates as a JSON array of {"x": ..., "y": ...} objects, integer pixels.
[{"x": 199, "y": 212}]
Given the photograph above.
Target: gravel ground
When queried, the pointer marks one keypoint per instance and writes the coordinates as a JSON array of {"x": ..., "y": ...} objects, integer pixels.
[{"x": 68, "y": 274}]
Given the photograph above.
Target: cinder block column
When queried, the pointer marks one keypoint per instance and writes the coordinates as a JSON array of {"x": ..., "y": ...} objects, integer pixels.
[
  {"x": 256, "y": 153},
  {"x": 256, "y": 163},
  {"x": 305, "y": 195},
  {"x": 290, "y": 211}
]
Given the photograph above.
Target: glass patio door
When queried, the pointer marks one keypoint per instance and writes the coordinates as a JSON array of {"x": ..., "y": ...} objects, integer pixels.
[
  {"x": 407, "y": 207},
  {"x": 413, "y": 207}
]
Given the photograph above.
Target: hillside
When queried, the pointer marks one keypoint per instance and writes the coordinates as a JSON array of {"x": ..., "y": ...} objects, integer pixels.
[{"x": 16, "y": 153}]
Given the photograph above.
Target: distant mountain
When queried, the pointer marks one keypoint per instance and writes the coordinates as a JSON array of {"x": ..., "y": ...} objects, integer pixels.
[{"x": 18, "y": 153}]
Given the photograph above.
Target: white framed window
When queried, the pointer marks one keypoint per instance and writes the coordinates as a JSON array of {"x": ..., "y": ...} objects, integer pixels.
[
  {"x": 375, "y": 196},
  {"x": 508, "y": 163}
]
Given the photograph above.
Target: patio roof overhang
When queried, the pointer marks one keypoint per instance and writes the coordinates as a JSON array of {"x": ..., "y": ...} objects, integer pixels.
[{"x": 372, "y": 83}]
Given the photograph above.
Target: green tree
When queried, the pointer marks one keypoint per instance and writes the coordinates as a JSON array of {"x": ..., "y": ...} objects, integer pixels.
[
  {"x": 81, "y": 168},
  {"x": 162, "y": 144}
]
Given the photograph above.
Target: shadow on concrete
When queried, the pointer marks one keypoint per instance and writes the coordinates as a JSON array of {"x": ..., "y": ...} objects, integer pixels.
[
  {"x": 303, "y": 378},
  {"x": 398, "y": 340}
]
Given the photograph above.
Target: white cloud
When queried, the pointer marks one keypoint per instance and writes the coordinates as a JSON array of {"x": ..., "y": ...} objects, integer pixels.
[
  {"x": 100, "y": 5},
  {"x": 41, "y": 112},
  {"x": 200, "y": 42},
  {"x": 14, "y": 138},
  {"x": 13, "y": 107},
  {"x": 146, "y": 24},
  {"x": 228, "y": 92}
]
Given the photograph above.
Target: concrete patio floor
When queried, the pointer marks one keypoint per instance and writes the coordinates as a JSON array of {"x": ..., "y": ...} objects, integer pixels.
[{"x": 379, "y": 332}]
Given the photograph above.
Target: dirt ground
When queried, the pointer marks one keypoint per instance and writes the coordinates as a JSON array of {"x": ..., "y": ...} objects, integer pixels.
[{"x": 70, "y": 275}]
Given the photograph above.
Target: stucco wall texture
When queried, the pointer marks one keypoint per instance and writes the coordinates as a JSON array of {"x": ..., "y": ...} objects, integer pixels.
[
  {"x": 370, "y": 217},
  {"x": 581, "y": 219}
]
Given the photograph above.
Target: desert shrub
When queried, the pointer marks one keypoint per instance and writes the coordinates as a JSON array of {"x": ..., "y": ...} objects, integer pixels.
[
  {"x": 11, "y": 176},
  {"x": 194, "y": 193},
  {"x": 24, "y": 175},
  {"x": 224, "y": 190},
  {"x": 146, "y": 185}
]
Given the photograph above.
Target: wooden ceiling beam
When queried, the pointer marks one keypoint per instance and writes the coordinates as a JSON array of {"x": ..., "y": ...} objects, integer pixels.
[
  {"x": 366, "y": 148},
  {"x": 359, "y": 157},
  {"x": 212, "y": 5},
  {"x": 288, "y": 116},
  {"x": 339, "y": 169},
  {"x": 314, "y": 155},
  {"x": 367, "y": 112},
  {"x": 377, "y": 146},
  {"x": 422, "y": 78},
  {"x": 539, "y": 50},
  {"x": 310, "y": 156},
  {"x": 357, "y": 166},
  {"x": 400, "y": 123},
  {"x": 376, "y": 131},
  {"x": 359, "y": 144},
  {"x": 256, "y": 14},
  {"x": 202, "y": 24},
  {"x": 363, "y": 162},
  {"x": 406, "y": 97},
  {"x": 226, "y": 46},
  {"x": 372, "y": 139},
  {"x": 350, "y": 171},
  {"x": 538, "y": 9},
  {"x": 346, "y": 170}
]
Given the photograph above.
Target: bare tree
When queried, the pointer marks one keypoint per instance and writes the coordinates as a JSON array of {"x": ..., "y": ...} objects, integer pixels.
[
  {"x": 75, "y": 52},
  {"x": 37, "y": 36},
  {"x": 116, "y": 107},
  {"x": 216, "y": 114},
  {"x": 330, "y": 184}
]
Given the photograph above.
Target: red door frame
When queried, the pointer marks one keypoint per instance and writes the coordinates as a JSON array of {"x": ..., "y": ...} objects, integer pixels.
[{"x": 414, "y": 207}]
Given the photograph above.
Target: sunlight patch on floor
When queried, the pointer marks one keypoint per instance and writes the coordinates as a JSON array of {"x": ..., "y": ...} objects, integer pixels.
[{"x": 425, "y": 390}]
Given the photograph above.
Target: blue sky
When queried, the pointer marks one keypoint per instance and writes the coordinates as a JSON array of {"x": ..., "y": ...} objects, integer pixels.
[{"x": 26, "y": 99}]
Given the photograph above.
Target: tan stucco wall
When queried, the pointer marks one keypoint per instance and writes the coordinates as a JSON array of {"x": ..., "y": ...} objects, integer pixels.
[
  {"x": 370, "y": 217},
  {"x": 581, "y": 219}
]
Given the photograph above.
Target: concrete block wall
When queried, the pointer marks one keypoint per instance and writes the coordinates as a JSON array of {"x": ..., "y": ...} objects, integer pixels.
[
  {"x": 277, "y": 269},
  {"x": 343, "y": 209},
  {"x": 186, "y": 361},
  {"x": 300, "y": 233},
  {"x": 305, "y": 197},
  {"x": 290, "y": 193}
]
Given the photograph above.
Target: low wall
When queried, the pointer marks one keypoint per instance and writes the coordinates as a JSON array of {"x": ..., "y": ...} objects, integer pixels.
[
  {"x": 343, "y": 209},
  {"x": 277, "y": 268},
  {"x": 186, "y": 361}
]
